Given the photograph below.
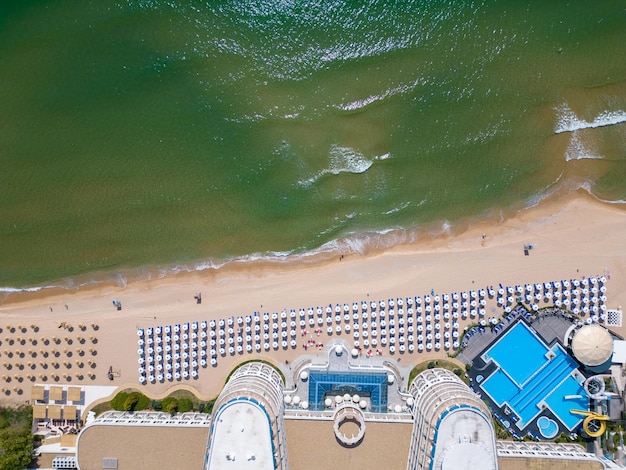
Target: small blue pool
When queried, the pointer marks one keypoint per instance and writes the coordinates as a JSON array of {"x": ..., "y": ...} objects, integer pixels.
[{"x": 547, "y": 427}]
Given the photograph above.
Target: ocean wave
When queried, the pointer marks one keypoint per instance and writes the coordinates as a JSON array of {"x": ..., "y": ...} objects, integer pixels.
[
  {"x": 578, "y": 150},
  {"x": 14, "y": 290},
  {"x": 363, "y": 103},
  {"x": 401, "y": 207},
  {"x": 567, "y": 121},
  {"x": 343, "y": 160}
]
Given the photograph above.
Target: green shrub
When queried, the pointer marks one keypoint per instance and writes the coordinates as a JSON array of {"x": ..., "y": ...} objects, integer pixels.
[
  {"x": 156, "y": 405},
  {"x": 431, "y": 365},
  {"x": 143, "y": 403},
  {"x": 17, "y": 448},
  {"x": 206, "y": 407},
  {"x": 170, "y": 405},
  {"x": 184, "y": 404},
  {"x": 131, "y": 401},
  {"x": 118, "y": 401}
]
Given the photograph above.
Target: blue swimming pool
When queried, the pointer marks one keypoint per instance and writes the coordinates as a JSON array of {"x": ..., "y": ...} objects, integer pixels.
[
  {"x": 374, "y": 385},
  {"x": 520, "y": 352},
  {"x": 561, "y": 406},
  {"x": 500, "y": 387},
  {"x": 529, "y": 375}
]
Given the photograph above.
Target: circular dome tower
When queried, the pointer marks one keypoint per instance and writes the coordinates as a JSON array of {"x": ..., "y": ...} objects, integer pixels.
[{"x": 592, "y": 345}]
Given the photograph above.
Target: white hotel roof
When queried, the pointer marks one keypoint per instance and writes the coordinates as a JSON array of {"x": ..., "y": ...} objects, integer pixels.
[
  {"x": 465, "y": 440},
  {"x": 241, "y": 438}
]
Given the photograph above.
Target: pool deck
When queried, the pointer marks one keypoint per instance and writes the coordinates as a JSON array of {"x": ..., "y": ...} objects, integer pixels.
[
  {"x": 550, "y": 325},
  {"x": 347, "y": 364}
]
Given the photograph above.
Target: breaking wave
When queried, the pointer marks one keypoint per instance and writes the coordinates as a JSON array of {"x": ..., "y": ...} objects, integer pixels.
[
  {"x": 343, "y": 160},
  {"x": 567, "y": 121}
]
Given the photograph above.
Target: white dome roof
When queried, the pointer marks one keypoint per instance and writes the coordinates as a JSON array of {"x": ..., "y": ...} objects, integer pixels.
[{"x": 592, "y": 345}]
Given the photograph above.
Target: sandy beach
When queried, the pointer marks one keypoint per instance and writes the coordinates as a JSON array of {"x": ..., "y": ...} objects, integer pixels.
[{"x": 572, "y": 237}]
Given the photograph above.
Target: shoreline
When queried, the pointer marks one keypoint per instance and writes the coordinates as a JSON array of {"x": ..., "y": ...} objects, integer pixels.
[
  {"x": 418, "y": 239},
  {"x": 572, "y": 238}
]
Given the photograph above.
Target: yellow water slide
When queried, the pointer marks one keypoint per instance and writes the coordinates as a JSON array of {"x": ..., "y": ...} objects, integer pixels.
[{"x": 592, "y": 416}]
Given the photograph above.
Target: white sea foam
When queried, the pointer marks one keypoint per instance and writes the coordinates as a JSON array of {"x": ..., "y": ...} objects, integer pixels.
[
  {"x": 342, "y": 160},
  {"x": 12, "y": 290},
  {"x": 347, "y": 160},
  {"x": 567, "y": 121},
  {"x": 360, "y": 104},
  {"x": 402, "y": 206},
  {"x": 579, "y": 150}
]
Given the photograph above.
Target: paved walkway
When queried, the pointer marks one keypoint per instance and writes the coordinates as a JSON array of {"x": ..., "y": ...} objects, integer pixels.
[{"x": 551, "y": 324}]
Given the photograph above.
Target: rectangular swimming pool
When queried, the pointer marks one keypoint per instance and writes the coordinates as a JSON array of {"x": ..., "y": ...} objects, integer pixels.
[
  {"x": 519, "y": 352},
  {"x": 561, "y": 406},
  {"x": 500, "y": 387}
]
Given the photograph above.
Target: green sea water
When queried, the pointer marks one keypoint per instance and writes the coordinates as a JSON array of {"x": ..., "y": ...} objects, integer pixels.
[{"x": 143, "y": 137}]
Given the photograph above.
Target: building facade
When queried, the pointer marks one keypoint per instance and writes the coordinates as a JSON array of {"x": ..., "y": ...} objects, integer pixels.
[
  {"x": 452, "y": 427},
  {"x": 248, "y": 428}
]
